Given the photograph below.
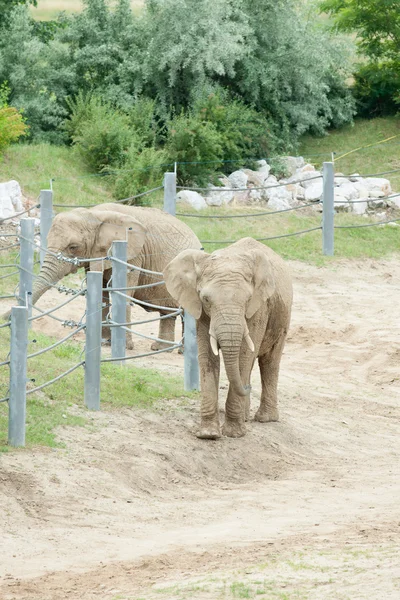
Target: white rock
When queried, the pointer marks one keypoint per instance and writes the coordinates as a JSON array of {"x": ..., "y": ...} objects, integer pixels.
[
  {"x": 341, "y": 203},
  {"x": 238, "y": 179},
  {"x": 297, "y": 192},
  {"x": 349, "y": 190},
  {"x": 192, "y": 198},
  {"x": 10, "y": 199},
  {"x": 339, "y": 180},
  {"x": 380, "y": 184},
  {"x": 375, "y": 193},
  {"x": 254, "y": 178},
  {"x": 395, "y": 201},
  {"x": 218, "y": 197},
  {"x": 307, "y": 168},
  {"x": 291, "y": 164},
  {"x": 377, "y": 203},
  {"x": 263, "y": 169},
  {"x": 359, "y": 207},
  {"x": 354, "y": 177},
  {"x": 240, "y": 198},
  {"x": 279, "y": 198},
  {"x": 313, "y": 192}
]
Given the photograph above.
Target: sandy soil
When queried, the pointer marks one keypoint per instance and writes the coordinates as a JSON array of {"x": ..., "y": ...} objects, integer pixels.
[{"x": 136, "y": 507}]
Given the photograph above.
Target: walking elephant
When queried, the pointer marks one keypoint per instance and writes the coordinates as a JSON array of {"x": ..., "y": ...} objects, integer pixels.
[
  {"x": 154, "y": 239},
  {"x": 241, "y": 297}
]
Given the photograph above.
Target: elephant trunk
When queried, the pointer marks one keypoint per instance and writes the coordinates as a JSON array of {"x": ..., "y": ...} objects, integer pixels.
[
  {"x": 229, "y": 334},
  {"x": 51, "y": 272}
]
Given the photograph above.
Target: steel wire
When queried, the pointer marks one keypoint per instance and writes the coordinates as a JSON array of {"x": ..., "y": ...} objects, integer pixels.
[
  {"x": 67, "y": 337},
  {"x": 275, "y": 237},
  {"x": 40, "y": 387},
  {"x": 251, "y": 216}
]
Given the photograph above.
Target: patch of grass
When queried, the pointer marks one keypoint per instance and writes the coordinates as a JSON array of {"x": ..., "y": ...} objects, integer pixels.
[
  {"x": 57, "y": 404},
  {"x": 240, "y": 590},
  {"x": 34, "y": 165},
  {"x": 49, "y": 9},
  {"x": 371, "y": 242},
  {"x": 374, "y": 159}
]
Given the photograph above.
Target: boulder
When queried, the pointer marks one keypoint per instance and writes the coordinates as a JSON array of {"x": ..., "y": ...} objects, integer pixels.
[
  {"x": 354, "y": 177},
  {"x": 291, "y": 164},
  {"x": 253, "y": 178},
  {"x": 341, "y": 203},
  {"x": 263, "y": 169},
  {"x": 192, "y": 198},
  {"x": 238, "y": 179},
  {"x": 297, "y": 192},
  {"x": 349, "y": 190},
  {"x": 279, "y": 198},
  {"x": 378, "y": 184},
  {"x": 10, "y": 199},
  {"x": 374, "y": 204},
  {"x": 313, "y": 192},
  {"x": 219, "y": 196},
  {"x": 395, "y": 202},
  {"x": 241, "y": 198}
]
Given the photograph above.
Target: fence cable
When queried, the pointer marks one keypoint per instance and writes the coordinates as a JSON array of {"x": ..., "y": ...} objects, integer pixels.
[
  {"x": 67, "y": 337},
  {"x": 275, "y": 237},
  {"x": 250, "y": 215},
  {"x": 246, "y": 189},
  {"x": 40, "y": 387}
]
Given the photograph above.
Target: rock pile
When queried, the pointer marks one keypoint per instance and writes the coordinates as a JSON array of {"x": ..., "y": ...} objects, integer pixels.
[{"x": 302, "y": 185}]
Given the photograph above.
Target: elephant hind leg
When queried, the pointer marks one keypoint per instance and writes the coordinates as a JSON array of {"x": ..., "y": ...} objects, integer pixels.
[
  {"x": 166, "y": 332},
  {"x": 269, "y": 370}
]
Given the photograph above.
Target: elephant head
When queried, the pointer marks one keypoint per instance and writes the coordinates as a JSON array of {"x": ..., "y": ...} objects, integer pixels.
[
  {"x": 85, "y": 233},
  {"x": 228, "y": 288}
]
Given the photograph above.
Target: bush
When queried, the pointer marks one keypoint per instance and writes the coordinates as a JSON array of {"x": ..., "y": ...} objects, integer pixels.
[
  {"x": 196, "y": 145},
  {"x": 141, "y": 171},
  {"x": 12, "y": 124},
  {"x": 376, "y": 89},
  {"x": 102, "y": 137}
]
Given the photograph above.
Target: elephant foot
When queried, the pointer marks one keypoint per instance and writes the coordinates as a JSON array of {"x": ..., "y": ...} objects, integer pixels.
[
  {"x": 265, "y": 416},
  {"x": 209, "y": 429},
  {"x": 162, "y": 346},
  {"x": 233, "y": 429}
]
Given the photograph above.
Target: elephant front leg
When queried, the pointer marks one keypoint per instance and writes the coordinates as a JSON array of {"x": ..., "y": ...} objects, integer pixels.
[
  {"x": 106, "y": 330},
  {"x": 166, "y": 331},
  {"x": 269, "y": 370},
  {"x": 209, "y": 381}
]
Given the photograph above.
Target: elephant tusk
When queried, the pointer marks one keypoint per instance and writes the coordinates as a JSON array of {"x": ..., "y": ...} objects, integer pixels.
[
  {"x": 214, "y": 345},
  {"x": 248, "y": 338}
]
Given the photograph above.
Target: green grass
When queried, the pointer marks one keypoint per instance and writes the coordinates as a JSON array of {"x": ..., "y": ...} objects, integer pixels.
[
  {"x": 371, "y": 242},
  {"x": 49, "y": 9},
  {"x": 372, "y": 159},
  {"x": 34, "y": 165},
  {"x": 58, "y": 404}
]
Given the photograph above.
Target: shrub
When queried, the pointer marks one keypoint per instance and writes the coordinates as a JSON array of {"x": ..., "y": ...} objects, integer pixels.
[
  {"x": 376, "y": 89},
  {"x": 103, "y": 138},
  {"x": 196, "y": 145},
  {"x": 12, "y": 124},
  {"x": 142, "y": 170}
]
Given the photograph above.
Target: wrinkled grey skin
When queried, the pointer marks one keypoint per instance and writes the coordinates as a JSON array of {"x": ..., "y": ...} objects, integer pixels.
[
  {"x": 241, "y": 297},
  {"x": 154, "y": 238}
]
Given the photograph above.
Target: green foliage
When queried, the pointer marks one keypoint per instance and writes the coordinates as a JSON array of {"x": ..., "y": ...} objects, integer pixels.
[
  {"x": 197, "y": 145},
  {"x": 7, "y": 6},
  {"x": 377, "y": 24},
  {"x": 12, "y": 123},
  {"x": 142, "y": 170},
  {"x": 103, "y": 138}
]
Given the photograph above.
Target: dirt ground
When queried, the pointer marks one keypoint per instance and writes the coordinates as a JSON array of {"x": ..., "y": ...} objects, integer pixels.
[{"x": 135, "y": 506}]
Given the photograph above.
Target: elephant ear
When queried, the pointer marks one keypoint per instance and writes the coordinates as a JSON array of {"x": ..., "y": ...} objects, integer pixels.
[
  {"x": 263, "y": 281},
  {"x": 115, "y": 226},
  {"x": 180, "y": 277}
]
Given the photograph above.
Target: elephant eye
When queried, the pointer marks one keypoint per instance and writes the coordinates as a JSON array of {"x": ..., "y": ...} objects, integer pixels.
[{"x": 73, "y": 247}]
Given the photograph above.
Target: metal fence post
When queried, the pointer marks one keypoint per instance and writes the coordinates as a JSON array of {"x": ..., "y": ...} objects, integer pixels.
[
  {"x": 18, "y": 368},
  {"x": 46, "y": 219},
  {"x": 190, "y": 354},
  {"x": 26, "y": 263},
  {"x": 93, "y": 339},
  {"x": 118, "y": 302},
  {"x": 328, "y": 209},
  {"x": 170, "y": 193}
]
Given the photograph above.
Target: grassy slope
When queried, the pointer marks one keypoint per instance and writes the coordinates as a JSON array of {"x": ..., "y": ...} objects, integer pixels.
[{"x": 373, "y": 159}]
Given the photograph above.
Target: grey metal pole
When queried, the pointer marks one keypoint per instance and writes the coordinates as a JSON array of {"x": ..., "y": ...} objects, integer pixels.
[
  {"x": 190, "y": 354},
  {"x": 18, "y": 368},
  {"x": 46, "y": 219},
  {"x": 118, "y": 302},
  {"x": 93, "y": 339},
  {"x": 170, "y": 193},
  {"x": 328, "y": 209},
  {"x": 26, "y": 262}
]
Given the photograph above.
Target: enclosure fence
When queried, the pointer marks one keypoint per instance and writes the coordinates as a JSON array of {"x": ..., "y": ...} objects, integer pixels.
[{"x": 99, "y": 313}]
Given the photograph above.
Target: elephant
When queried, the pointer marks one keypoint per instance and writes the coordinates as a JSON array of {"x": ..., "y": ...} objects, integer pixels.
[
  {"x": 154, "y": 238},
  {"x": 241, "y": 298}
]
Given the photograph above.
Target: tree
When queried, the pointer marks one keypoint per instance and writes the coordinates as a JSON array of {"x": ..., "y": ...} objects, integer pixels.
[
  {"x": 7, "y": 6},
  {"x": 377, "y": 25}
]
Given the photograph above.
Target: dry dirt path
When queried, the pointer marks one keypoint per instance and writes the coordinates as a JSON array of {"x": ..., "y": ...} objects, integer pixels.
[{"x": 136, "y": 507}]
